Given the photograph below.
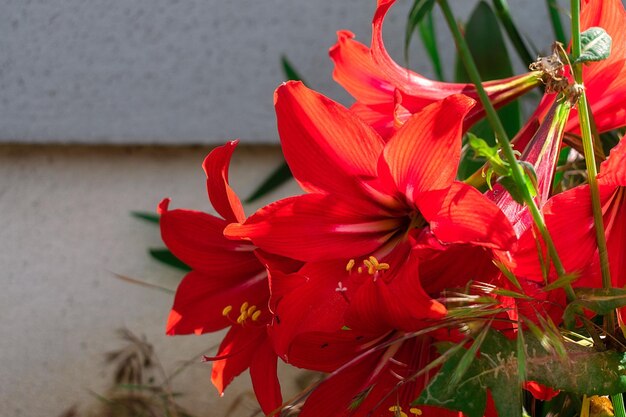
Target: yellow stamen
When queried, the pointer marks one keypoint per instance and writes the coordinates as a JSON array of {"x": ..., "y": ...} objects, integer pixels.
[
  {"x": 227, "y": 310},
  {"x": 415, "y": 411},
  {"x": 383, "y": 266},
  {"x": 251, "y": 310},
  {"x": 256, "y": 315},
  {"x": 373, "y": 261},
  {"x": 350, "y": 265},
  {"x": 244, "y": 307},
  {"x": 367, "y": 263},
  {"x": 397, "y": 411},
  {"x": 241, "y": 319},
  {"x": 359, "y": 270}
]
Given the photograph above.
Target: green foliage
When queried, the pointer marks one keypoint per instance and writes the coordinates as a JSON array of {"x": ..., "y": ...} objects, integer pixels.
[
  {"x": 489, "y": 51},
  {"x": 595, "y": 45},
  {"x": 599, "y": 300},
  {"x": 497, "y": 367},
  {"x": 146, "y": 215},
  {"x": 168, "y": 258},
  {"x": 282, "y": 174}
]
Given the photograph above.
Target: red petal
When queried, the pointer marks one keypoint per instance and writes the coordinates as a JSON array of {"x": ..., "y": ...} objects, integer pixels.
[
  {"x": 316, "y": 227},
  {"x": 333, "y": 397},
  {"x": 308, "y": 302},
  {"x": 424, "y": 154},
  {"x": 201, "y": 299},
  {"x": 240, "y": 345},
  {"x": 394, "y": 299},
  {"x": 223, "y": 198},
  {"x": 327, "y": 147},
  {"x": 357, "y": 73},
  {"x": 613, "y": 170},
  {"x": 197, "y": 239},
  {"x": 467, "y": 216},
  {"x": 264, "y": 378}
]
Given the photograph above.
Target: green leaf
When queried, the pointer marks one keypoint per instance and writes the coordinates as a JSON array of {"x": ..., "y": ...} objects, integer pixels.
[
  {"x": 418, "y": 11},
  {"x": 282, "y": 174},
  {"x": 595, "y": 45},
  {"x": 504, "y": 15},
  {"x": 289, "y": 71},
  {"x": 429, "y": 39},
  {"x": 146, "y": 215},
  {"x": 584, "y": 370},
  {"x": 601, "y": 301},
  {"x": 486, "y": 43},
  {"x": 168, "y": 258}
]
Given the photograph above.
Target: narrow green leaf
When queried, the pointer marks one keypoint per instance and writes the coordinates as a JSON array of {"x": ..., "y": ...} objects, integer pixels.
[
  {"x": 601, "y": 301},
  {"x": 595, "y": 45},
  {"x": 555, "y": 20},
  {"x": 563, "y": 281},
  {"x": 281, "y": 175},
  {"x": 289, "y": 71},
  {"x": 429, "y": 39},
  {"x": 146, "y": 215},
  {"x": 468, "y": 357},
  {"x": 504, "y": 14},
  {"x": 168, "y": 258},
  {"x": 489, "y": 51},
  {"x": 418, "y": 11}
]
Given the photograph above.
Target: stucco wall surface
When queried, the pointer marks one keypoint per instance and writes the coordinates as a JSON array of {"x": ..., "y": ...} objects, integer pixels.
[
  {"x": 183, "y": 71},
  {"x": 65, "y": 230}
]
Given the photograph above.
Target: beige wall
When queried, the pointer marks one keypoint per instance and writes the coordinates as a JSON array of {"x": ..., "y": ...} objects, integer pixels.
[{"x": 65, "y": 231}]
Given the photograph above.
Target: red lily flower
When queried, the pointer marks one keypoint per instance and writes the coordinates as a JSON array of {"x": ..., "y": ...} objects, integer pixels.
[
  {"x": 387, "y": 94},
  {"x": 366, "y": 195},
  {"x": 215, "y": 295},
  {"x": 569, "y": 218}
]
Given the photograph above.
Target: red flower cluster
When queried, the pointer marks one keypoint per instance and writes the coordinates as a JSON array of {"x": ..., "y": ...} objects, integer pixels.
[{"x": 353, "y": 277}]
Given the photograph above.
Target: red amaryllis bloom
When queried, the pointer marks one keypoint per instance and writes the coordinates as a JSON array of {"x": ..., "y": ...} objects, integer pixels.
[
  {"x": 387, "y": 94},
  {"x": 366, "y": 195},
  {"x": 227, "y": 286},
  {"x": 569, "y": 219}
]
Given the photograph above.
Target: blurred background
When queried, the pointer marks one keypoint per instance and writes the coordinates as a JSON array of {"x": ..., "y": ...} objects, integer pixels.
[{"x": 106, "y": 107}]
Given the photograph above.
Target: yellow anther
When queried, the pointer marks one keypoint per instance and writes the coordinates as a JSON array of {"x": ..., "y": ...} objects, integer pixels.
[
  {"x": 397, "y": 411},
  {"x": 367, "y": 263},
  {"x": 383, "y": 266},
  {"x": 227, "y": 310},
  {"x": 373, "y": 261},
  {"x": 241, "y": 319},
  {"x": 415, "y": 411},
  {"x": 251, "y": 310},
  {"x": 350, "y": 265},
  {"x": 359, "y": 270},
  {"x": 244, "y": 307},
  {"x": 256, "y": 315}
]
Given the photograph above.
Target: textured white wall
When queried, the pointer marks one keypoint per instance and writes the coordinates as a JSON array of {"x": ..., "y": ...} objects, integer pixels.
[{"x": 179, "y": 71}]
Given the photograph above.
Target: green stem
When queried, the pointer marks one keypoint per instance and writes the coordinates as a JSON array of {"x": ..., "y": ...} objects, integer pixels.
[
  {"x": 590, "y": 161},
  {"x": 503, "y": 140},
  {"x": 618, "y": 405},
  {"x": 557, "y": 26}
]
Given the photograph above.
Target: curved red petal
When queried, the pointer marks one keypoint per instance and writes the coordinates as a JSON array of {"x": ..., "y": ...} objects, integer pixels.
[
  {"x": 200, "y": 301},
  {"x": 467, "y": 216},
  {"x": 316, "y": 227},
  {"x": 424, "y": 154},
  {"x": 197, "y": 239},
  {"x": 223, "y": 198},
  {"x": 357, "y": 73},
  {"x": 240, "y": 345},
  {"x": 263, "y": 372},
  {"x": 326, "y": 146}
]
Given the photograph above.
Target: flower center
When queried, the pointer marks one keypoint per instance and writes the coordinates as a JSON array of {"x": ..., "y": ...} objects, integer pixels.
[{"x": 246, "y": 311}]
